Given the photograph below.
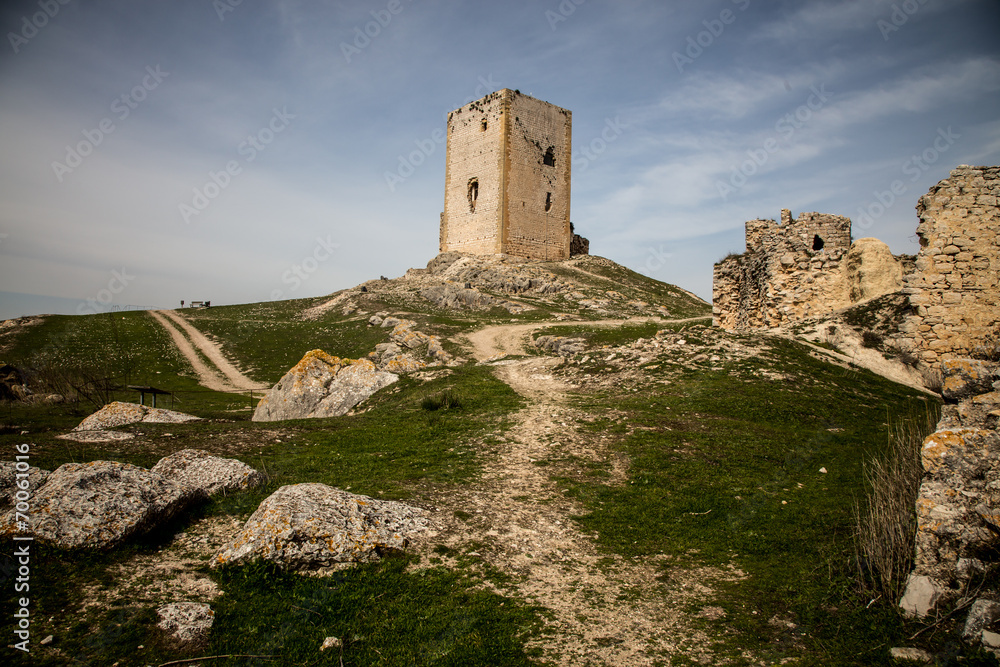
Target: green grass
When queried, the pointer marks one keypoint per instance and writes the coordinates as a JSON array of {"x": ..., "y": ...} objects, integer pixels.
[
  {"x": 727, "y": 471},
  {"x": 724, "y": 469},
  {"x": 387, "y": 614},
  {"x": 599, "y": 336},
  {"x": 384, "y": 613}
]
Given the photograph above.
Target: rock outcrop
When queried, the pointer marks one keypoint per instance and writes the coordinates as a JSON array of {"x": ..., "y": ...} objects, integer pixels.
[
  {"x": 321, "y": 385},
  {"x": 311, "y": 526},
  {"x": 119, "y": 414},
  {"x": 958, "y": 505},
  {"x": 872, "y": 270},
  {"x": 101, "y": 504},
  {"x": 561, "y": 345},
  {"x": 208, "y": 473}
]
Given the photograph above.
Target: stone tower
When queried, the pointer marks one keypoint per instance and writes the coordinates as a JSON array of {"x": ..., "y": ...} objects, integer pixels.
[{"x": 507, "y": 178}]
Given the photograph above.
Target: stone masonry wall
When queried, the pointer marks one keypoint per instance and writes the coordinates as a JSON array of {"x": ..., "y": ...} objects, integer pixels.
[
  {"x": 954, "y": 292},
  {"x": 538, "y": 185},
  {"x": 507, "y": 178},
  {"x": 790, "y": 270},
  {"x": 475, "y": 150}
]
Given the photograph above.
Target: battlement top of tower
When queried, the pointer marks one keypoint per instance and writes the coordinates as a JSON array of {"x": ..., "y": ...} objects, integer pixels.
[{"x": 503, "y": 94}]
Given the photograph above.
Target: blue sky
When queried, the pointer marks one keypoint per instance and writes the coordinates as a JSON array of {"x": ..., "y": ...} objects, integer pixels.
[{"x": 156, "y": 151}]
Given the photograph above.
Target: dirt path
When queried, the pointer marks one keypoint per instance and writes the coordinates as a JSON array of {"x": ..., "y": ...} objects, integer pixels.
[
  {"x": 606, "y": 609},
  {"x": 224, "y": 376}
]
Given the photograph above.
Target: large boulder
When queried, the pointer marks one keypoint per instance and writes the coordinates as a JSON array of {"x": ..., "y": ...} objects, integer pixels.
[
  {"x": 872, "y": 270},
  {"x": 100, "y": 504},
  {"x": 311, "y": 526},
  {"x": 211, "y": 474},
  {"x": 119, "y": 414},
  {"x": 321, "y": 385}
]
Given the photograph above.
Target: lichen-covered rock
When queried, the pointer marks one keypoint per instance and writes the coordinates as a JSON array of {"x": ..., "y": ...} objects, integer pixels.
[
  {"x": 964, "y": 378},
  {"x": 119, "y": 414},
  {"x": 189, "y": 622},
  {"x": 12, "y": 473},
  {"x": 959, "y": 493},
  {"x": 311, "y": 526},
  {"x": 321, "y": 385},
  {"x": 212, "y": 474},
  {"x": 404, "y": 334},
  {"x": 401, "y": 363},
  {"x": 100, "y": 504}
]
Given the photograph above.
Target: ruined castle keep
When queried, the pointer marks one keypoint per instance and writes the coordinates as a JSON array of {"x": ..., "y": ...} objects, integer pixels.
[
  {"x": 808, "y": 267},
  {"x": 790, "y": 270},
  {"x": 507, "y": 178},
  {"x": 954, "y": 293}
]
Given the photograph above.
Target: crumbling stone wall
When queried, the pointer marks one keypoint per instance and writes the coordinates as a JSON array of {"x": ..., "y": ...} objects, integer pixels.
[
  {"x": 954, "y": 292},
  {"x": 790, "y": 270},
  {"x": 507, "y": 178}
]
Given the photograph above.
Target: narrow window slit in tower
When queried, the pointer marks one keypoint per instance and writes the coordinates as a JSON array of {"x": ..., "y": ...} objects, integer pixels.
[
  {"x": 473, "y": 194},
  {"x": 550, "y": 157},
  {"x": 482, "y": 126},
  {"x": 548, "y": 201}
]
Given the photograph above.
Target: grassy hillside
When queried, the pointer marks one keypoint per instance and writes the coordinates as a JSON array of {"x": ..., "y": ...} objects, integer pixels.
[{"x": 708, "y": 451}]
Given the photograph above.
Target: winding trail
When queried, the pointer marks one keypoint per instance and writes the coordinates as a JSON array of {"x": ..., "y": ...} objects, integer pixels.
[
  {"x": 606, "y": 609},
  {"x": 222, "y": 375}
]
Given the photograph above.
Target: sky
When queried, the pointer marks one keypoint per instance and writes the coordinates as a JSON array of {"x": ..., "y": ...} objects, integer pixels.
[{"x": 236, "y": 151}]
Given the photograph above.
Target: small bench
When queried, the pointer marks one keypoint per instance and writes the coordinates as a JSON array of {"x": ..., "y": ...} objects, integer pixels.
[{"x": 143, "y": 390}]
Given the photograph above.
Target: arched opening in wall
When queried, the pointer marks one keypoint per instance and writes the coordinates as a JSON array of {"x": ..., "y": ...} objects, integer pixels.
[
  {"x": 483, "y": 125},
  {"x": 548, "y": 201},
  {"x": 473, "y": 193},
  {"x": 817, "y": 242},
  {"x": 550, "y": 157}
]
